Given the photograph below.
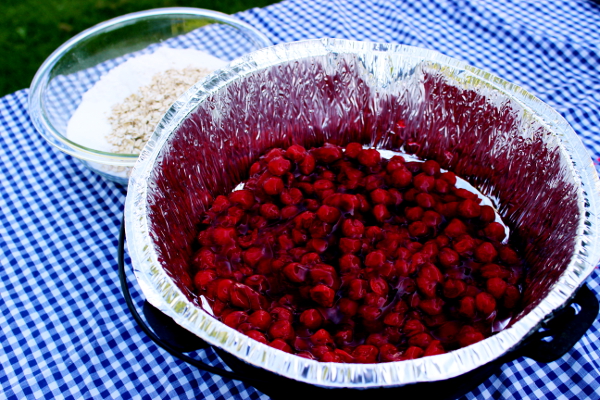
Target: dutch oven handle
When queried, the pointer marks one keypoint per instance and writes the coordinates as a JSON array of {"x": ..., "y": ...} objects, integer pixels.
[
  {"x": 165, "y": 332},
  {"x": 559, "y": 334}
]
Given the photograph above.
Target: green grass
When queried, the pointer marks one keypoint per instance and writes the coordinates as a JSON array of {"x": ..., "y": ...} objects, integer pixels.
[{"x": 32, "y": 29}]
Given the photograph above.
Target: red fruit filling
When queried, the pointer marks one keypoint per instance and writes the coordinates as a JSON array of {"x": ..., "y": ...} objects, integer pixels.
[{"x": 339, "y": 255}]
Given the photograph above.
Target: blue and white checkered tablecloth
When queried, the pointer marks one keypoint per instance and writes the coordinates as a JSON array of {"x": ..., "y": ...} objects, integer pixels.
[{"x": 66, "y": 331}]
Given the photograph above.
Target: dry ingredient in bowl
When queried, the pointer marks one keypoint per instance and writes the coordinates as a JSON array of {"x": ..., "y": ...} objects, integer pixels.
[
  {"x": 147, "y": 84},
  {"x": 134, "y": 120}
]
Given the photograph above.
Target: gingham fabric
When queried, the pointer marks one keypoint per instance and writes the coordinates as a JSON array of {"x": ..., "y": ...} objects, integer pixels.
[{"x": 66, "y": 331}]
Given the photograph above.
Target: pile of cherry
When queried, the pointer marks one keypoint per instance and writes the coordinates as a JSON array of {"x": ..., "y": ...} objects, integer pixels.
[{"x": 336, "y": 254}]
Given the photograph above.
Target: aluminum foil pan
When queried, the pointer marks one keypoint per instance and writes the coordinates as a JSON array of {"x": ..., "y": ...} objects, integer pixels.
[{"x": 504, "y": 141}]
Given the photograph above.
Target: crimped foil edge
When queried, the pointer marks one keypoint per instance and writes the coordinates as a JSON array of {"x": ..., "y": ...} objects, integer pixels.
[{"x": 160, "y": 290}]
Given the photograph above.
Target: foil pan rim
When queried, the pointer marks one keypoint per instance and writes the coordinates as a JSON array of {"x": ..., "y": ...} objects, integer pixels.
[{"x": 161, "y": 291}]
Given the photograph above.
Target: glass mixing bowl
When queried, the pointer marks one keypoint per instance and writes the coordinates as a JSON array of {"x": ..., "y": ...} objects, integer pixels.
[{"x": 74, "y": 68}]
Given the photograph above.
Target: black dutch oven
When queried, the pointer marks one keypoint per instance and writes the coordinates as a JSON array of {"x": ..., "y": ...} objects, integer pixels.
[
  {"x": 551, "y": 342},
  {"x": 501, "y": 139}
]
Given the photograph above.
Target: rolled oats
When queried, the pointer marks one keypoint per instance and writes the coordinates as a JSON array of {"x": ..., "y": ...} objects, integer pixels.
[{"x": 133, "y": 121}]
